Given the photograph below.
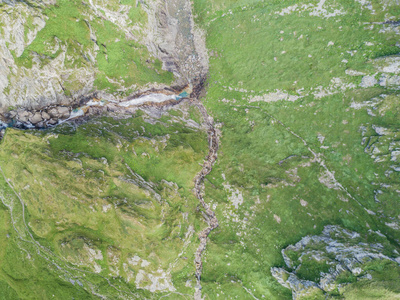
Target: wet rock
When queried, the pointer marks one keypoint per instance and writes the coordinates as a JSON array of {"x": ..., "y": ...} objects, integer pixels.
[
  {"x": 40, "y": 125},
  {"x": 23, "y": 116},
  {"x": 36, "y": 118},
  {"x": 52, "y": 122},
  {"x": 63, "y": 112},
  {"x": 53, "y": 112},
  {"x": 12, "y": 114},
  {"x": 45, "y": 116}
]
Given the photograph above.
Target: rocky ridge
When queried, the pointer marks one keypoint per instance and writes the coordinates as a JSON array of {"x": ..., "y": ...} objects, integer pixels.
[{"x": 335, "y": 252}]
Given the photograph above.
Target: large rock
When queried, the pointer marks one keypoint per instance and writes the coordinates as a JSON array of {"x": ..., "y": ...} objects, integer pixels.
[
  {"x": 53, "y": 112},
  {"x": 36, "y": 118},
  {"x": 23, "y": 116},
  {"x": 45, "y": 115},
  {"x": 63, "y": 112}
]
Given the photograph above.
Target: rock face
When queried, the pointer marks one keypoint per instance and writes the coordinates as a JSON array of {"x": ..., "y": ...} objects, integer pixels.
[
  {"x": 43, "y": 80},
  {"x": 41, "y": 83},
  {"x": 315, "y": 262},
  {"x": 176, "y": 41},
  {"x": 38, "y": 71}
]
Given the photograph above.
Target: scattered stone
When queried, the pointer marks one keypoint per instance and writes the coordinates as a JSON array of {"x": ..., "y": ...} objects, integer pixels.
[
  {"x": 354, "y": 73},
  {"x": 277, "y": 219},
  {"x": 368, "y": 81},
  {"x": 390, "y": 81},
  {"x": 278, "y": 95},
  {"x": 328, "y": 180},
  {"x": 391, "y": 65},
  {"x": 303, "y": 202}
]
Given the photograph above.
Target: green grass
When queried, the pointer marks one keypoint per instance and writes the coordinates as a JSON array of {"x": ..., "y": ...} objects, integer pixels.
[
  {"x": 119, "y": 59},
  {"x": 270, "y": 166},
  {"x": 83, "y": 195},
  {"x": 265, "y": 156},
  {"x": 249, "y": 39},
  {"x": 385, "y": 285},
  {"x": 312, "y": 269}
]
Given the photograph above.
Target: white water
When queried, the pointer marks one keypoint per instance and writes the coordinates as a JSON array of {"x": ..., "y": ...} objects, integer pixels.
[{"x": 155, "y": 98}]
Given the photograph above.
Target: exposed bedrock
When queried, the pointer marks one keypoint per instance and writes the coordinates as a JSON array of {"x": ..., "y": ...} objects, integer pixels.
[
  {"x": 169, "y": 34},
  {"x": 332, "y": 260}
]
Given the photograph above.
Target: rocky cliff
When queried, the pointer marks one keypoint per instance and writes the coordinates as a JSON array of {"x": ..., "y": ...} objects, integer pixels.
[{"x": 55, "y": 52}]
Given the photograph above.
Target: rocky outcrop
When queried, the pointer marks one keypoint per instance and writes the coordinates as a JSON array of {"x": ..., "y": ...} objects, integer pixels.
[
  {"x": 323, "y": 258},
  {"x": 40, "y": 84},
  {"x": 32, "y": 80},
  {"x": 300, "y": 288},
  {"x": 176, "y": 41}
]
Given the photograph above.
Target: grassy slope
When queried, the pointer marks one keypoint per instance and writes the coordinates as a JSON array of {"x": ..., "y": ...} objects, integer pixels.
[
  {"x": 118, "y": 58},
  {"x": 244, "y": 44},
  {"x": 68, "y": 176}
]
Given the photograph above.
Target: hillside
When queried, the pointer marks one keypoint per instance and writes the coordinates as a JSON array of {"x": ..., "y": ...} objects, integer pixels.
[{"x": 206, "y": 149}]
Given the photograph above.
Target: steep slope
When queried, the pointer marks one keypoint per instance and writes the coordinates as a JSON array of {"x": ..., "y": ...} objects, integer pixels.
[
  {"x": 299, "y": 98},
  {"x": 56, "y": 51},
  {"x": 108, "y": 207},
  {"x": 111, "y": 211},
  {"x": 306, "y": 93}
]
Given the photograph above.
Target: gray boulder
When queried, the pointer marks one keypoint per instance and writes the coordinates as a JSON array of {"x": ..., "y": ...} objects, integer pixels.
[
  {"x": 45, "y": 115},
  {"x": 23, "y": 116},
  {"x": 63, "y": 112},
  {"x": 36, "y": 118}
]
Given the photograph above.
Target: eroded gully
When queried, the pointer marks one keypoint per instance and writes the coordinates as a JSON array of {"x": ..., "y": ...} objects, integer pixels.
[{"x": 212, "y": 221}]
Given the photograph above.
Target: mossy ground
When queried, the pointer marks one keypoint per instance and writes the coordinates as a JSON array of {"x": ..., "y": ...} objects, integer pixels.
[
  {"x": 268, "y": 188},
  {"x": 90, "y": 194},
  {"x": 263, "y": 155},
  {"x": 91, "y": 41}
]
